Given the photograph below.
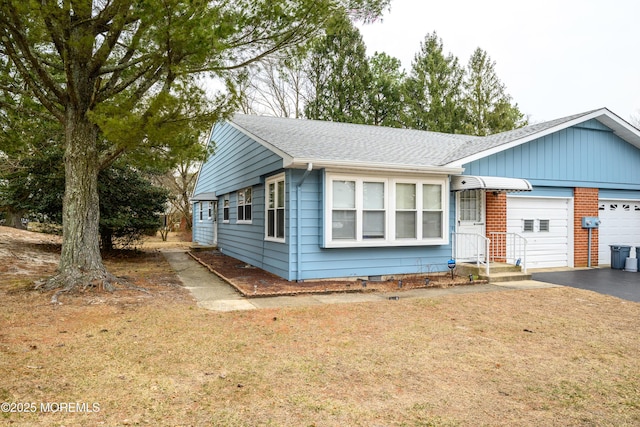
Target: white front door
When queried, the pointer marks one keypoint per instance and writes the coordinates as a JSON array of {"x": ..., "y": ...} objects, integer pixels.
[{"x": 470, "y": 223}]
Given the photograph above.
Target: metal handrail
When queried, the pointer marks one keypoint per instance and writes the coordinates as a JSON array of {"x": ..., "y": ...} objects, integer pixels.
[
  {"x": 510, "y": 246},
  {"x": 471, "y": 238}
]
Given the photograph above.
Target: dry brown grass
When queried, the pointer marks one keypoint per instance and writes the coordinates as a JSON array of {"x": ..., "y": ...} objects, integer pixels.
[{"x": 552, "y": 357}]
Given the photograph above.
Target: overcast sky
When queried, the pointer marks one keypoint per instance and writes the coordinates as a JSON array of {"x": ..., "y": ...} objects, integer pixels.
[{"x": 556, "y": 57}]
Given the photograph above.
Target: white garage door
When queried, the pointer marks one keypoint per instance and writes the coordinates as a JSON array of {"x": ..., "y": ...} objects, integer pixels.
[
  {"x": 545, "y": 223},
  {"x": 620, "y": 226}
]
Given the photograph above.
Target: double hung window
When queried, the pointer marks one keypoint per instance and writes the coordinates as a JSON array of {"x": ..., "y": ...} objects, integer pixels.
[
  {"x": 225, "y": 208},
  {"x": 275, "y": 208},
  {"x": 244, "y": 205},
  {"x": 374, "y": 211}
]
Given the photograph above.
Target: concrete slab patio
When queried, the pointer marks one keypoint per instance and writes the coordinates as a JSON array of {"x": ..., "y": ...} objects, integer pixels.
[{"x": 213, "y": 293}]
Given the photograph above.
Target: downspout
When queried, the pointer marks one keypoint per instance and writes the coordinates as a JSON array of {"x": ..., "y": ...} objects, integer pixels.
[{"x": 299, "y": 221}]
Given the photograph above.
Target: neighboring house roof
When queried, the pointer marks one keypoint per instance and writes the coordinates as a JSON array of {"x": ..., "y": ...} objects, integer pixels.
[{"x": 328, "y": 144}]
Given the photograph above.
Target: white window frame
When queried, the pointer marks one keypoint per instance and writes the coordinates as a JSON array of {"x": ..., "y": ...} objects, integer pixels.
[
  {"x": 389, "y": 208},
  {"x": 275, "y": 180},
  {"x": 238, "y": 205},
  {"x": 200, "y": 211},
  {"x": 209, "y": 211},
  {"x": 226, "y": 209}
]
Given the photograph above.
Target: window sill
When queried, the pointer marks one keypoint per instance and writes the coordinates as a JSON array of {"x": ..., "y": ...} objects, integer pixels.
[
  {"x": 374, "y": 243},
  {"x": 274, "y": 240}
]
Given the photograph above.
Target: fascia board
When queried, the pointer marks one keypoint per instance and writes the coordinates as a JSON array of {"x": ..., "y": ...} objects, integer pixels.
[
  {"x": 372, "y": 167},
  {"x": 195, "y": 186}
]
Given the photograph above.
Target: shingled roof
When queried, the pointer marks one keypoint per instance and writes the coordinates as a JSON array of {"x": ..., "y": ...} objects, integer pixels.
[
  {"x": 344, "y": 143},
  {"x": 301, "y": 141}
]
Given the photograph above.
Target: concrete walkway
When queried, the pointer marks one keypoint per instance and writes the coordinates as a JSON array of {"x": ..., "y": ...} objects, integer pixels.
[{"x": 215, "y": 294}]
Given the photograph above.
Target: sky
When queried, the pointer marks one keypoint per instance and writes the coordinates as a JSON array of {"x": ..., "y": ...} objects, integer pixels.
[{"x": 556, "y": 58}]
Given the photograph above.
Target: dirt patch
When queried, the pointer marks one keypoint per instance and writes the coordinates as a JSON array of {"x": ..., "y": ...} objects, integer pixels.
[
  {"x": 255, "y": 282},
  {"x": 24, "y": 253}
]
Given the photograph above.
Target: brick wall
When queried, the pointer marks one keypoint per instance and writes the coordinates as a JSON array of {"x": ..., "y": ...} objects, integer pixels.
[
  {"x": 585, "y": 204},
  {"x": 496, "y": 220}
]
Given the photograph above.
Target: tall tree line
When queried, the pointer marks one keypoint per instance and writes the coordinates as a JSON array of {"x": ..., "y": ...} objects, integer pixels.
[{"x": 336, "y": 80}]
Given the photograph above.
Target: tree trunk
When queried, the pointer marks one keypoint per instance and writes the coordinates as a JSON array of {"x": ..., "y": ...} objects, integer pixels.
[
  {"x": 14, "y": 219},
  {"x": 106, "y": 237},
  {"x": 80, "y": 261}
]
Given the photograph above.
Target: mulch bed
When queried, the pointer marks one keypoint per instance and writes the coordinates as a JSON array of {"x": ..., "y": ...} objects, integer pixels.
[{"x": 251, "y": 281}]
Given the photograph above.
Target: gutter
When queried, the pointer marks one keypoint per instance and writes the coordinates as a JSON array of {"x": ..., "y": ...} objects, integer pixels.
[
  {"x": 373, "y": 167},
  {"x": 299, "y": 221}
]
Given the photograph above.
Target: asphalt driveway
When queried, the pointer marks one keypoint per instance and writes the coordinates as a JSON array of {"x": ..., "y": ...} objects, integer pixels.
[{"x": 619, "y": 283}]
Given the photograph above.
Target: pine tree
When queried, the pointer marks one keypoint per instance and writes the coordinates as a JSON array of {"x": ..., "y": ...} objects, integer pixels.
[
  {"x": 339, "y": 76},
  {"x": 385, "y": 94},
  {"x": 434, "y": 90},
  {"x": 489, "y": 108}
]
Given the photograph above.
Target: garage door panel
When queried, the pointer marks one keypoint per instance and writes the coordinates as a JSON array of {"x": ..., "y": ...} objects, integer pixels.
[
  {"x": 548, "y": 242},
  {"x": 620, "y": 225}
]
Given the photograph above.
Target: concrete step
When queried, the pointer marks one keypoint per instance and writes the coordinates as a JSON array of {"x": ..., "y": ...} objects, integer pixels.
[
  {"x": 498, "y": 272},
  {"x": 494, "y": 267}
]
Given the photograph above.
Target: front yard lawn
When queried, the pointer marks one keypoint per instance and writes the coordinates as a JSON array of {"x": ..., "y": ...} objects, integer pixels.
[{"x": 547, "y": 357}]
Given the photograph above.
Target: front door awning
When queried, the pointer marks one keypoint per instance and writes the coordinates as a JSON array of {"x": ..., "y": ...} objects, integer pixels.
[
  {"x": 489, "y": 183},
  {"x": 204, "y": 197}
]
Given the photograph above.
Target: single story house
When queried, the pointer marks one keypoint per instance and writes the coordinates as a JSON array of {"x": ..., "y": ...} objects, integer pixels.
[{"x": 309, "y": 199}]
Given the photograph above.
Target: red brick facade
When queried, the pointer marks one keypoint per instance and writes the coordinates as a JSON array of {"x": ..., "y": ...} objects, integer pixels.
[
  {"x": 585, "y": 203},
  {"x": 496, "y": 221}
]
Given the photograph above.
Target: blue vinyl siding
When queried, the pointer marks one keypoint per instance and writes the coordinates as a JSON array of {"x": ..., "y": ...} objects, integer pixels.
[
  {"x": 246, "y": 241},
  {"x": 202, "y": 230},
  {"x": 588, "y": 155},
  {"x": 319, "y": 262},
  {"x": 240, "y": 162}
]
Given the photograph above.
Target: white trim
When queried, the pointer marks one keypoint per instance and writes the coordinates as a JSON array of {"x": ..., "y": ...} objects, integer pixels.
[
  {"x": 210, "y": 134},
  {"x": 275, "y": 179},
  {"x": 389, "y": 209},
  {"x": 347, "y": 166},
  {"x": 244, "y": 221},
  {"x": 619, "y": 127},
  {"x": 225, "y": 198},
  {"x": 619, "y": 199}
]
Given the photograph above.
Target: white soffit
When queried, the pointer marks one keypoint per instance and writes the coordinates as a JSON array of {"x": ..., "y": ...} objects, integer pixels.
[{"x": 489, "y": 183}]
